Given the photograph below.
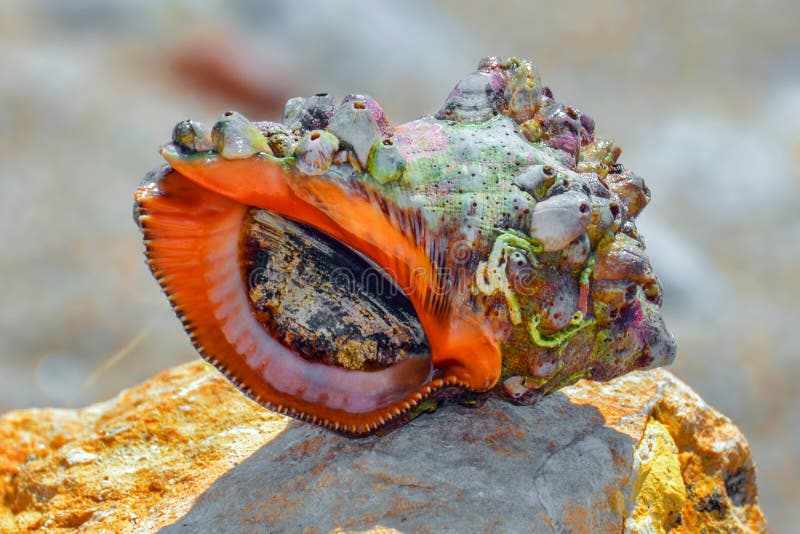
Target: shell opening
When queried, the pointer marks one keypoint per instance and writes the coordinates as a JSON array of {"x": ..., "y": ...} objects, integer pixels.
[{"x": 324, "y": 299}]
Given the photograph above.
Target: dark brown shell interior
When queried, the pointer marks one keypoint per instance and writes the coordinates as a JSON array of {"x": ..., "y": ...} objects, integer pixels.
[{"x": 323, "y": 299}]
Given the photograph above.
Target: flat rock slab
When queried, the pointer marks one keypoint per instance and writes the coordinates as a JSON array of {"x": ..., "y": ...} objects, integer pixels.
[{"x": 186, "y": 452}]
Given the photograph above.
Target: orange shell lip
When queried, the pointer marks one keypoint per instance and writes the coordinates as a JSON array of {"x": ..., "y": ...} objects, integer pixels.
[{"x": 210, "y": 196}]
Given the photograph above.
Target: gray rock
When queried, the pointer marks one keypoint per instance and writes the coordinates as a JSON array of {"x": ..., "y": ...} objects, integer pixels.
[
  {"x": 566, "y": 464},
  {"x": 500, "y": 467}
]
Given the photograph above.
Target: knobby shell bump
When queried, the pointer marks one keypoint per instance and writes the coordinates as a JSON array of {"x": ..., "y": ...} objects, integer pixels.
[{"x": 354, "y": 274}]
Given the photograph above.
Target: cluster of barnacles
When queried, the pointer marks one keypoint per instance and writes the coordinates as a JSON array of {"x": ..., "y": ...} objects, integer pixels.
[{"x": 314, "y": 136}]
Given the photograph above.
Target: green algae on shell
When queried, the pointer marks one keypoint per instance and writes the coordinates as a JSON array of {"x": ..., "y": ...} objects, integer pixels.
[
  {"x": 235, "y": 137},
  {"x": 385, "y": 163}
]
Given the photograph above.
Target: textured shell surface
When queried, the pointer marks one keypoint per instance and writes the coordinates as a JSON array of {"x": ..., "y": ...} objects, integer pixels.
[{"x": 354, "y": 274}]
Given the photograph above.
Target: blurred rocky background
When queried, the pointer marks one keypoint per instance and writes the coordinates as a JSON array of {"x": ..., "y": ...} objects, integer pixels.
[{"x": 704, "y": 99}]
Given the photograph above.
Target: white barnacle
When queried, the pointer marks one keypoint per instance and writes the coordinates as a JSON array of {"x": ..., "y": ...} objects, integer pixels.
[{"x": 235, "y": 137}]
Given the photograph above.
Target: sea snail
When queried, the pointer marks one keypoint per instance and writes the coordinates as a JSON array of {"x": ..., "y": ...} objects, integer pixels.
[{"x": 352, "y": 273}]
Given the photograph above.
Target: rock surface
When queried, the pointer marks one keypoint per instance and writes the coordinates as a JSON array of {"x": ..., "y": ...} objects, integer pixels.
[{"x": 188, "y": 452}]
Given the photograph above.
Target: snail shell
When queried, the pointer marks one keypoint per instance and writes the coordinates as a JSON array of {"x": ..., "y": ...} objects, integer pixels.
[{"x": 353, "y": 274}]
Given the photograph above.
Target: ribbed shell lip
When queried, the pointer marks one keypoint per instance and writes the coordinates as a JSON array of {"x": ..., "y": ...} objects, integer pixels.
[
  {"x": 190, "y": 237},
  {"x": 397, "y": 238}
]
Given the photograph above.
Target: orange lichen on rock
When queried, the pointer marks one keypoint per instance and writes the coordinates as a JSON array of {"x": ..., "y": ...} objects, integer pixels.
[
  {"x": 133, "y": 463},
  {"x": 716, "y": 466},
  {"x": 659, "y": 491}
]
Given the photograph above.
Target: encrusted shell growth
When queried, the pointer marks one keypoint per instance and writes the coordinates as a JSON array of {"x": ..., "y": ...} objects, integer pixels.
[
  {"x": 312, "y": 113},
  {"x": 193, "y": 135},
  {"x": 385, "y": 163},
  {"x": 476, "y": 98},
  {"x": 355, "y": 125},
  {"x": 558, "y": 220},
  {"x": 281, "y": 139},
  {"x": 315, "y": 151},
  {"x": 235, "y": 137},
  {"x": 353, "y": 273}
]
